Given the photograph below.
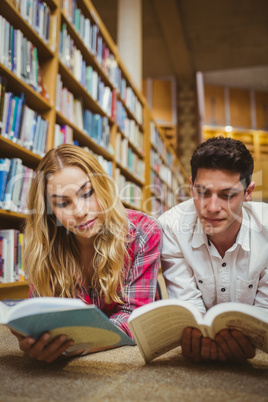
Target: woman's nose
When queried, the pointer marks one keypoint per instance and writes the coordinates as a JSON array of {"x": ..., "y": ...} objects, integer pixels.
[{"x": 80, "y": 209}]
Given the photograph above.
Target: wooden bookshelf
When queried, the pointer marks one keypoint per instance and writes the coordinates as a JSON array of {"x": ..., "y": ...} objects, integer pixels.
[
  {"x": 132, "y": 123},
  {"x": 257, "y": 143}
]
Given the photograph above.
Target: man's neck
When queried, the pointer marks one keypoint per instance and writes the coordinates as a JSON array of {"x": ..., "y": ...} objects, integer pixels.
[{"x": 222, "y": 245}]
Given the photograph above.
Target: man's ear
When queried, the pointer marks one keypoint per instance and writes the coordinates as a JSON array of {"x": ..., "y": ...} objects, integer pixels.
[
  {"x": 249, "y": 191},
  {"x": 191, "y": 186}
]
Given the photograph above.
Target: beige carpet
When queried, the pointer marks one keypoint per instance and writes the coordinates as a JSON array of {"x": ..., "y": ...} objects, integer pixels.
[{"x": 121, "y": 375}]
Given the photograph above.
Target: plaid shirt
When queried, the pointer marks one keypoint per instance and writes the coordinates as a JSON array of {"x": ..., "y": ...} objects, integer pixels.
[
  {"x": 143, "y": 260},
  {"x": 140, "y": 279}
]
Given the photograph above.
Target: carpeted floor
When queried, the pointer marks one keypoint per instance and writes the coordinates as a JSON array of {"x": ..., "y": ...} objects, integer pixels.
[{"x": 121, "y": 375}]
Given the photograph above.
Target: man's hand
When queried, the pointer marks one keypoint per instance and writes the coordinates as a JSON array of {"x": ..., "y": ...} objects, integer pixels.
[
  {"x": 44, "y": 349},
  {"x": 235, "y": 345},
  {"x": 229, "y": 345},
  {"x": 198, "y": 348}
]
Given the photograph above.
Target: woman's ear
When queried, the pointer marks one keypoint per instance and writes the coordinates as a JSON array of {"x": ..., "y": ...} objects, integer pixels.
[{"x": 249, "y": 191}]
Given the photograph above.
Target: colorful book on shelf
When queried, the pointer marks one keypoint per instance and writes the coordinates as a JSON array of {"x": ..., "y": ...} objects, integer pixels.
[
  {"x": 3, "y": 85},
  {"x": 10, "y": 185},
  {"x": 88, "y": 326},
  {"x": 19, "y": 114},
  {"x": 4, "y": 170},
  {"x": 9, "y": 237}
]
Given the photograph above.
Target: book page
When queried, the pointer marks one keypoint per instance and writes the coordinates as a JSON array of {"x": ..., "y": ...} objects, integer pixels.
[
  {"x": 160, "y": 329},
  {"x": 38, "y": 305},
  {"x": 252, "y": 321}
]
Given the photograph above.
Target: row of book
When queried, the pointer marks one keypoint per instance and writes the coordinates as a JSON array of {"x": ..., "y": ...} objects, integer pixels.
[
  {"x": 94, "y": 125},
  {"x": 63, "y": 134},
  {"x": 11, "y": 256},
  {"x": 157, "y": 207},
  {"x": 107, "y": 165},
  {"x": 95, "y": 44},
  {"x": 129, "y": 192},
  {"x": 73, "y": 59},
  {"x": 21, "y": 124},
  {"x": 158, "y": 143},
  {"x": 90, "y": 34},
  {"x": 38, "y": 15},
  {"x": 91, "y": 37},
  {"x": 19, "y": 55},
  {"x": 125, "y": 155},
  {"x": 128, "y": 126},
  {"x": 97, "y": 128},
  {"x": 163, "y": 171},
  {"x": 15, "y": 182},
  {"x": 163, "y": 192}
]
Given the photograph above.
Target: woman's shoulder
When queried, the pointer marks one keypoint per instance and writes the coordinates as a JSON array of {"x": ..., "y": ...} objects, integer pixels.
[{"x": 141, "y": 220}]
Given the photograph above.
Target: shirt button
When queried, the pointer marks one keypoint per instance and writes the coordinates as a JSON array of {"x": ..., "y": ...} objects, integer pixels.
[
  {"x": 224, "y": 264},
  {"x": 223, "y": 289},
  {"x": 200, "y": 281},
  {"x": 250, "y": 286}
]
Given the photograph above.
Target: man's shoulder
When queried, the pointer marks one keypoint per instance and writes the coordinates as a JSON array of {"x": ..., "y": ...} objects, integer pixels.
[
  {"x": 183, "y": 212},
  {"x": 255, "y": 216},
  {"x": 257, "y": 212}
]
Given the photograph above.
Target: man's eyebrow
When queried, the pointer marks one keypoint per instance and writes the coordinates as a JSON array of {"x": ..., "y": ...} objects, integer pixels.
[
  {"x": 233, "y": 189},
  {"x": 65, "y": 196}
]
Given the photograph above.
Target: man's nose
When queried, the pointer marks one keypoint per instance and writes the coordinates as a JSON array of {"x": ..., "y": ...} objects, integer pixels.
[{"x": 213, "y": 204}]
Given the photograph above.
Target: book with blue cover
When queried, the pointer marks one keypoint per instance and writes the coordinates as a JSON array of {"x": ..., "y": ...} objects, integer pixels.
[{"x": 85, "y": 323}]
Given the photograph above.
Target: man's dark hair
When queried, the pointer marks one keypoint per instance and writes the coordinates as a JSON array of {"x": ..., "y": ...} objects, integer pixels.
[{"x": 224, "y": 154}]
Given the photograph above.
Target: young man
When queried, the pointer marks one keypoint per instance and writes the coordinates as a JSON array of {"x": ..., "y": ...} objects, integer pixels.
[{"x": 215, "y": 245}]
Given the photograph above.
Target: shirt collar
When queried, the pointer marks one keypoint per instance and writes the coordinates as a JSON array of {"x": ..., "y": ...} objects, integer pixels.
[{"x": 199, "y": 236}]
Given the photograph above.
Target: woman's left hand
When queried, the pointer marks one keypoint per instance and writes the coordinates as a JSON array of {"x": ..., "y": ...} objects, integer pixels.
[{"x": 44, "y": 349}]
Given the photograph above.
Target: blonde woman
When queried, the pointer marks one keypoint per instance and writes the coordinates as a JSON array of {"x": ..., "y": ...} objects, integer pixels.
[{"x": 82, "y": 243}]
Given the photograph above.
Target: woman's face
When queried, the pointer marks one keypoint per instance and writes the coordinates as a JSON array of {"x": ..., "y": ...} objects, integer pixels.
[{"x": 74, "y": 203}]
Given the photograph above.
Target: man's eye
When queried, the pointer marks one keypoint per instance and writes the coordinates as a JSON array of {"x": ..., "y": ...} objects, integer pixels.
[
  {"x": 227, "y": 196},
  {"x": 88, "y": 194},
  {"x": 202, "y": 193}
]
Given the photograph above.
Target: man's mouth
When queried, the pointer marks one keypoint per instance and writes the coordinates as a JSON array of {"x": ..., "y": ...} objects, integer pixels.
[{"x": 212, "y": 220}]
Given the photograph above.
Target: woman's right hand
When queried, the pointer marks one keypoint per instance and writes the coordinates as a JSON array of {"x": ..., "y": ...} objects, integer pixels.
[{"x": 44, "y": 349}]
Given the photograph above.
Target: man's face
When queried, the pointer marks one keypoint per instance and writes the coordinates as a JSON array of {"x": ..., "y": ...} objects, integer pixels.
[{"x": 218, "y": 197}]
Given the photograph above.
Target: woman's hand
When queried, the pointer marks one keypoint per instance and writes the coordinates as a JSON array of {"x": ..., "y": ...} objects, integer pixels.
[{"x": 44, "y": 349}]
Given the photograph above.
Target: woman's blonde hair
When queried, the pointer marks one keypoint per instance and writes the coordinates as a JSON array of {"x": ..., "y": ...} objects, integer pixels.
[{"x": 52, "y": 261}]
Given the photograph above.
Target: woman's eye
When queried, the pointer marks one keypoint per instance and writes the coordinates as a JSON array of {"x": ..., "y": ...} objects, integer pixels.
[
  {"x": 62, "y": 204},
  {"x": 88, "y": 194}
]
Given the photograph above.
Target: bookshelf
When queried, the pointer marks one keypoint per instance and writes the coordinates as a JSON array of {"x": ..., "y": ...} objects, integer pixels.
[
  {"x": 243, "y": 115},
  {"x": 165, "y": 174},
  {"x": 76, "y": 89},
  {"x": 257, "y": 143}
]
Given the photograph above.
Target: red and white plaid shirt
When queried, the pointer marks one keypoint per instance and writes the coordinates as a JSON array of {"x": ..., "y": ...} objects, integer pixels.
[
  {"x": 141, "y": 271},
  {"x": 141, "y": 278}
]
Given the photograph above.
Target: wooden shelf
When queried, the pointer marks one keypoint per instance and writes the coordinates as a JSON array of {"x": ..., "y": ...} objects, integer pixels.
[{"x": 51, "y": 66}]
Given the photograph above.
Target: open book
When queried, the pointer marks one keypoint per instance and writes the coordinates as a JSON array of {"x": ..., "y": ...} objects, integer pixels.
[
  {"x": 158, "y": 327},
  {"x": 85, "y": 324}
]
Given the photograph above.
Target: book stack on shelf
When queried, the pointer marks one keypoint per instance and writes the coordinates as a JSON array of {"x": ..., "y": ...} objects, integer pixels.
[
  {"x": 166, "y": 174},
  {"x": 11, "y": 255},
  {"x": 62, "y": 81}
]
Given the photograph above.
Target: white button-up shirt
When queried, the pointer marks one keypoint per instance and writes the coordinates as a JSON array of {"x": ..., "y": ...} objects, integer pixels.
[{"x": 194, "y": 270}]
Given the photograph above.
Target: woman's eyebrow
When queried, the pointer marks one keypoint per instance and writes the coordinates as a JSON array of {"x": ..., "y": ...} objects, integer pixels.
[{"x": 65, "y": 196}]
